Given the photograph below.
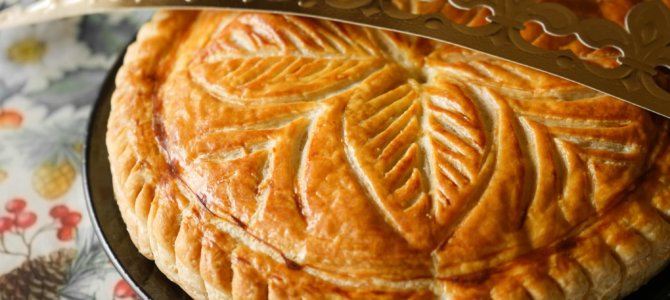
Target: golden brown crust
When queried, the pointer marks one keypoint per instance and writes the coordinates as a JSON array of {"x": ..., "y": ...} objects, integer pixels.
[{"x": 261, "y": 156}]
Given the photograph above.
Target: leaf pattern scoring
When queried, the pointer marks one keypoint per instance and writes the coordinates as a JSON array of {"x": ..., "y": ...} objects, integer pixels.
[{"x": 463, "y": 159}]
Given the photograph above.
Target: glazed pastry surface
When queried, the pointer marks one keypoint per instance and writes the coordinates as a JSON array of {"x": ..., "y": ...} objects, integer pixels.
[{"x": 267, "y": 156}]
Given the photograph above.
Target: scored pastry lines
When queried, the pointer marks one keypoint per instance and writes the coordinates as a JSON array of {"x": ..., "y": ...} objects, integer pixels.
[
  {"x": 419, "y": 130},
  {"x": 250, "y": 64},
  {"x": 438, "y": 123},
  {"x": 589, "y": 146},
  {"x": 399, "y": 126},
  {"x": 525, "y": 281}
]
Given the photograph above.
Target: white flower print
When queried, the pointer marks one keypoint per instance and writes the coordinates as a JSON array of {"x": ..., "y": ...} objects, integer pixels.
[{"x": 34, "y": 55}]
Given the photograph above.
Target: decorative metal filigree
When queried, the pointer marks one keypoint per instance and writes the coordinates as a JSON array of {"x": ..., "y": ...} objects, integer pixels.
[{"x": 644, "y": 42}]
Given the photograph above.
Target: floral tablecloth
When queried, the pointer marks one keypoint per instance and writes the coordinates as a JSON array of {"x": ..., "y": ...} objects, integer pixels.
[{"x": 50, "y": 75}]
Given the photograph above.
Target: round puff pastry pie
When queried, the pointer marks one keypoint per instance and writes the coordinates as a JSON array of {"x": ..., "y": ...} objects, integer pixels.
[{"x": 265, "y": 156}]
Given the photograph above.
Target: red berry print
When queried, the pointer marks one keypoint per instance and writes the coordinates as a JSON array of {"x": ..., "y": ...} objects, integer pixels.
[
  {"x": 59, "y": 211},
  {"x": 20, "y": 219},
  {"x": 25, "y": 220},
  {"x": 65, "y": 233},
  {"x": 122, "y": 290},
  {"x": 5, "y": 224},
  {"x": 15, "y": 205},
  {"x": 71, "y": 219}
]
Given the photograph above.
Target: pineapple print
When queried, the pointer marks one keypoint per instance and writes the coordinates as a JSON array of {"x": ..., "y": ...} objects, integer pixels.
[
  {"x": 53, "y": 178},
  {"x": 39, "y": 278},
  {"x": 54, "y": 151}
]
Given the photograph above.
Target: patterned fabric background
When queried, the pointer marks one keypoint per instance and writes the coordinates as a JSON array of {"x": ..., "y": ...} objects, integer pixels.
[{"x": 50, "y": 75}]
